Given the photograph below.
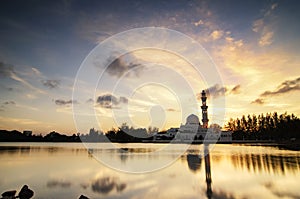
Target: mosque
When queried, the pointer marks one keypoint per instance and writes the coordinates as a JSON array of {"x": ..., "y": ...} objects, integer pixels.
[{"x": 193, "y": 131}]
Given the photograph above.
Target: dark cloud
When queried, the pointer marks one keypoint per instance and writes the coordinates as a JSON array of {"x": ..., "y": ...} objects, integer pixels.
[
  {"x": 120, "y": 187},
  {"x": 9, "y": 103},
  {"x": 4, "y": 87},
  {"x": 218, "y": 91},
  {"x": 61, "y": 102},
  {"x": 6, "y": 70},
  {"x": 105, "y": 185},
  {"x": 171, "y": 110},
  {"x": 51, "y": 83},
  {"x": 58, "y": 183},
  {"x": 259, "y": 101},
  {"x": 90, "y": 100},
  {"x": 284, "y": 87},
  {"x": 236, "y": 89},
  {"x": 123, "y": 100},
  {"x": 111, "y": 101},
  {"x": 118, "y": 66}
]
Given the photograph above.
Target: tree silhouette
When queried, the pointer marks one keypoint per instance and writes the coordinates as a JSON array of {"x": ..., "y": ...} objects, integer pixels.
[{"x": 265, "y": 127}]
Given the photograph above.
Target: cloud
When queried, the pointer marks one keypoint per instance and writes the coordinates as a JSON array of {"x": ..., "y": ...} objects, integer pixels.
[
  {"x": 123, "y": 100},
  {"x": 36, "y": 72},
  {"x": 58, "y": 183},
  {"x": 284, "y": 87},
  {"x": 258, "y": 25},
  {"x": 7, "y": 70},
  {"x": 218, "y": 91},
  {"x": 266, "y": 38},
  {"x": 258, "y": 101},
  {"x": 9, "y": 103},
  {"x": 61, "y": 102},
  {"x": 236, "y": 89},
  {"x": 216, "y": 34},
  {"x": 273, "y": 6},
  {"x": 4, "y": 87},
  {"x": 90, "y": 100},
  {"x": 198, "y": 23},
  {"x": 119, "y": 66},
  {"x": 51, "y": 83},
  {"x": 171, "y": 110},
  {"x": 105, "y": 185},
  {"x": 265, "y": 26},
  {"x": 111, "y": 101}
]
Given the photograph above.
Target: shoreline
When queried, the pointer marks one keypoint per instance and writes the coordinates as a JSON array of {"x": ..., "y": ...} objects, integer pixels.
[{"x": 289, "y": 145}]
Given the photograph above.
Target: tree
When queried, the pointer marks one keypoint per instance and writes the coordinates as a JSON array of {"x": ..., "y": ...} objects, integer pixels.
[
  {"x": 254, "y": 123},
  {"x": 271, "y": 126},
  {"x": 243, "y": 123},
  {"x": 249, "y": 124}
]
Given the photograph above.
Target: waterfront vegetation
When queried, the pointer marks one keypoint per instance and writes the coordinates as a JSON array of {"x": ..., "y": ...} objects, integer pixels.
[
  {"x": 264, "y": 127},
  {"x": 270, "y": 126}
]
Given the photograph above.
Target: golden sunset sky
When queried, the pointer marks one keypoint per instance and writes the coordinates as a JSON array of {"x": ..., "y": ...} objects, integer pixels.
[{"x": 53, "y": 76}]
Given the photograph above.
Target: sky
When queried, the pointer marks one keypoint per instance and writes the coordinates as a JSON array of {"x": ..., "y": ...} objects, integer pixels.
[{"x": 54, "y": 74}]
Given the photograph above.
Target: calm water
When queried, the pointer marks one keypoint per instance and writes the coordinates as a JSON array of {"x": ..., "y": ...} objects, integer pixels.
[{"x": 230, "y": 171}]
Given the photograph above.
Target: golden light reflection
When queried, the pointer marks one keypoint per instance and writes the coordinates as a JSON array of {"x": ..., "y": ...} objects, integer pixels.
[{"x": 232, "y": 171}]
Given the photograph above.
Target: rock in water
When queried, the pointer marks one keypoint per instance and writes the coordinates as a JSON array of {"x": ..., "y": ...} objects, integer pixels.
[
  {"x": 83, "y": 197},
  {"x": 9, "y": 194},
  {"x": 25, "y": 193}
]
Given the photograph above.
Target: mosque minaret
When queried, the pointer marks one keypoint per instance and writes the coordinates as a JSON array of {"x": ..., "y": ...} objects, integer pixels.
[
  {"x": 204, "y": 110},
  {"x": 193, "y": 131}
]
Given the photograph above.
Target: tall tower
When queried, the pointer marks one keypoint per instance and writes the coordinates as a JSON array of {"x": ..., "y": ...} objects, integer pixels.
[{"x": 204, "y": 110}]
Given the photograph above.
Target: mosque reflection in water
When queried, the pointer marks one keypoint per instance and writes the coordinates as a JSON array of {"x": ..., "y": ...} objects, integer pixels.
[{"x": 194, "y": 163}]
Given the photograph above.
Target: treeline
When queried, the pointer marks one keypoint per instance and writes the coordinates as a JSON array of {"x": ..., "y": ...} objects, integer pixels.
[
  {"x": 16, "y": 136},
  {"x": 121, "y": 134},
  {"x": 270, "y": 126}
]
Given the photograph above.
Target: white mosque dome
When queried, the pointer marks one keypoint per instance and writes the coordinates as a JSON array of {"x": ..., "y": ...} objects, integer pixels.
[{"x": 192, "y": 119}]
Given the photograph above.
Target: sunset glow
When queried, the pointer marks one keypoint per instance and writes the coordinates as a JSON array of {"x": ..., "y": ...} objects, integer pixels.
[{"x": 253, "y": 45}]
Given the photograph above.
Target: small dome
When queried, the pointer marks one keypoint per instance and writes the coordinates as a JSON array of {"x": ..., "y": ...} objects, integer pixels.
[{"x": 192, "y": 119}]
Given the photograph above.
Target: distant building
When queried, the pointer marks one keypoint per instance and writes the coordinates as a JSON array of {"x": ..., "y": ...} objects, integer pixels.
[
  {"x": 27, "y": 133},
  {"x": 172, "y": 132},
  {"x": 226, "y": 136},
  {"x": 192, "y": 130}
]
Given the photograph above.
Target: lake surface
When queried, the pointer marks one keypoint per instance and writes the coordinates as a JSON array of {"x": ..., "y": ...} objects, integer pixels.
[{"x": 67, "y": 170}]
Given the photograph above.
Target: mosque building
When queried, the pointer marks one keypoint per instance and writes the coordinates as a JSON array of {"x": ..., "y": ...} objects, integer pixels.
[{"x": 192, "y": 130}]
